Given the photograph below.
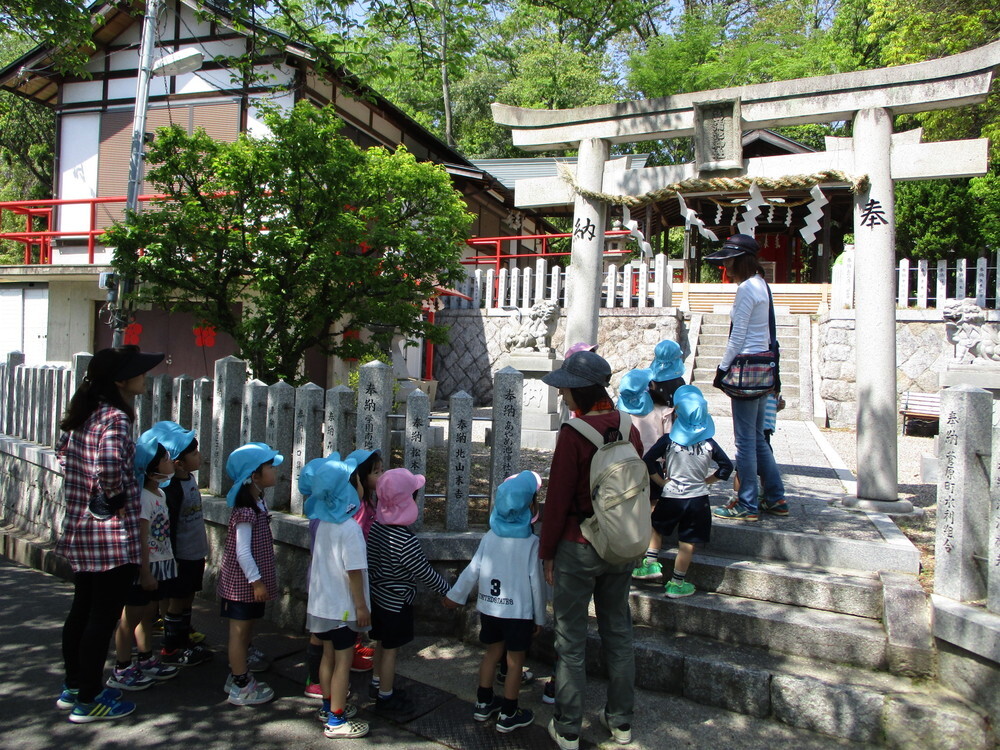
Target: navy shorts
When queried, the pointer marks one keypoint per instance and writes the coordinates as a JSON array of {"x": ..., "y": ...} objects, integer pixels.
[
  {"x": 515, "y": 634},
  {"x": 190, "y": 574},
  {"x": 691, "y": 516},
  {"x": 392, "y": 629},
  {"x": 241, "y": 610},
  {"x": 341, "y": 638},
  {"x": 137, "y": 596}
]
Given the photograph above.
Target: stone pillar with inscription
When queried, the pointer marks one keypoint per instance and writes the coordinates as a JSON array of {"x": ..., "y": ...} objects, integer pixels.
[
  {"x": 415, "y": 438},
  {"x": 993, "y": 553},
  {"x": 508, "y": 385},
  {"x": 201, "y": 423},
  {"x": 963, "y": 493},
  {"x": 281, "y": 436},
  {"x": 308, "y": 441},
  {"x": 540, "y": 418},
  {"x": 375, "y": 381},
  {"x": 459, "y": 461},
  {"x": 227, "y": 411}
]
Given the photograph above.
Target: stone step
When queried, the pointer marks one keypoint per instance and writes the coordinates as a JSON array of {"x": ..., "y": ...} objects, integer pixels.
[
  {"x": 781, "y": 628},
  {"x": 846, "y": 592},
  {"x": 840, "y": 701}
]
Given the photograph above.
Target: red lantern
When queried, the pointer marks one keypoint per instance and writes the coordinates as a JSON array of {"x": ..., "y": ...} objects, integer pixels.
[
  {"x": 204, "y": 335},
  {"x": 131, "y": 334}
]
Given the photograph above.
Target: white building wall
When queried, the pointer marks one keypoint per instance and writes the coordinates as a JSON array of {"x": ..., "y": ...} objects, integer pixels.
[{"x": 71, "y": 318}]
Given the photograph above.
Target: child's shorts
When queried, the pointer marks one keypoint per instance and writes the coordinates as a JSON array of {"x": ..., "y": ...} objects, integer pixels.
[
  {"x": 691, "y": 516},
  {"x": 241, "y": 610},
  {"x": 515, "y": 634},
  {"x": 392, "y": 629},
  {"x": 341, "y": 638},
  {"x": 190, "y": 574},
  {"x": 138, "y": 596}
]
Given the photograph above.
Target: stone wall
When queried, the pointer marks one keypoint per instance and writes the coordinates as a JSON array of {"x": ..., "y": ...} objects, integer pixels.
[
  {"x": 626, "y": 338},
  {"x": 921, "y": 355}
]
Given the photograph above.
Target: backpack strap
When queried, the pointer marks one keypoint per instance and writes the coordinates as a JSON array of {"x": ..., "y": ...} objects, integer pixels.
[{"x": 588, "y": 431}]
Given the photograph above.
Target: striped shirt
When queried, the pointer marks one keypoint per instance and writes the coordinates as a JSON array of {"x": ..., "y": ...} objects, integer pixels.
[
  {"x": 770, "y": 413},
  {"x": 396, "y": 562},
  {"x": 97, "y": 457}
]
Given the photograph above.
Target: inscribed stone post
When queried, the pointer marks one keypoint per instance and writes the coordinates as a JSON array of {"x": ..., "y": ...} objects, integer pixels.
[
  {"x": 31, "y": 401},
  {"x": 254, "y": 426},
  {"x": 374, "y": 400},
  {"x": 14, "y": 360},
  {"x": 201, "y": 423},
  {"x": 308, "y": 435},
  {"x": 963, "y": 492},
  {"x": 183, "y": 396},
  {"x": 144, "y": 409},
  {"x": 340, "y": 422},
  {"x": 508, "y": 385},
  {"x": 163, "y": 397},
  {"x": 81, "y": 361},
  {"x": 418, "y": 413},
  {"x": 459, "y": 461},
  {"x": 227, "y": 410},
  {"x": 64, "y": 379},
  {"x": 17, "y": 402},
  {"x": 44, "y": 405},
  {"x": 993, "y": 554},
  {"x": 281, "y": 435}
]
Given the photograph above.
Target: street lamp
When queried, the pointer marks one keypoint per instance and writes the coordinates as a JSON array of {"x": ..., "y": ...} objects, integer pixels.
[{"x": 177, "y": 63}]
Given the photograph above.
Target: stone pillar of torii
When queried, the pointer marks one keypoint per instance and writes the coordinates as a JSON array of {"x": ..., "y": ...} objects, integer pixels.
[{"x": 716, "y": 119}]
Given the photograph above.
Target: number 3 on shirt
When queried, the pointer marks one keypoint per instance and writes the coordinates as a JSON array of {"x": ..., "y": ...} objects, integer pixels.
[{"x": 495, "y": 587}]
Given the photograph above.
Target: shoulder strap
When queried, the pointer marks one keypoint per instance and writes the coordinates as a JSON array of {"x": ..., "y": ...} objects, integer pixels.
[
  {"x": 624, "y": 425},
  {"x": 586, "y": 430}
]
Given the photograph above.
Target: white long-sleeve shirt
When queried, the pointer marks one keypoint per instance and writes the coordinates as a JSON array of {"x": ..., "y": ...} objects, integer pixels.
[
  {"x": 751, "y": 321},
  {"x": 244, "y": 535},
  {"x": 508, "y": 576}
]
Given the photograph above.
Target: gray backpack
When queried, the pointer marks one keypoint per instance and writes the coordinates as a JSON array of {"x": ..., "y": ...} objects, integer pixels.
[{"x": 620, "y": 528}]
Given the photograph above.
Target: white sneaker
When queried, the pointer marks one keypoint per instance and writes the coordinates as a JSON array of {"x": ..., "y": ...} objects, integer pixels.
[
  {"x": 252, "y": 694},
  {"x": 563, "y": 742},
  {"x": 622, "y": 735},
  {"x": 346, "y": 729}
]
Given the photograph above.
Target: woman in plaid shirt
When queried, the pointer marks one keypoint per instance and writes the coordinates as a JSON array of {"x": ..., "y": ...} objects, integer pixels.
[{"x": 100, "y": 533}]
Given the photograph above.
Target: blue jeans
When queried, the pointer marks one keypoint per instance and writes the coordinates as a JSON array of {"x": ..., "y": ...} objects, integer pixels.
[
  {"x": 581, "y": 574},
  {"x": 753, "y": 454}
]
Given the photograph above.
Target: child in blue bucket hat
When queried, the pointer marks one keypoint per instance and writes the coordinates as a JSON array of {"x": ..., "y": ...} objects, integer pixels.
[
  {"x": 692, "y": 460},
  {"x": 247, "y": 576},
  {"x": 339, "y": 606},
  {"x": 507, "y": 572},
  {"x": 633, "y": 393}
]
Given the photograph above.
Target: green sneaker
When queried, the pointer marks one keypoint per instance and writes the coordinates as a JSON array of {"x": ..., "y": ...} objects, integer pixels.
[
  {"x": 648, "y": 569},
  {"x": 676, "y": 590},
  {"x": 734, "y": 511},
  {"x": 779, "y": 508}
]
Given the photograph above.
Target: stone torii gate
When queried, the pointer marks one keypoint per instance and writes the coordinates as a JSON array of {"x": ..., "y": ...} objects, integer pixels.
[{"x": 716, "y": 119}]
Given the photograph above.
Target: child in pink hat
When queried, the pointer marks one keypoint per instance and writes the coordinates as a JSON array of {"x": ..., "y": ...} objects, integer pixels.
[{"x": 396, "y": 562}]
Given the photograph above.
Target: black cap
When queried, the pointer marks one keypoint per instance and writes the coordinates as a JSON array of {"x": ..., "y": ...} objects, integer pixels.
[
  {"x": 738, "y": 244},
  {"x": 135, "y": 363},
  {"x": 582, "y": 369}
]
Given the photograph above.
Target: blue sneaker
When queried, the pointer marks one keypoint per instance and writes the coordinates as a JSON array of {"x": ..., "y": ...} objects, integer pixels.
[
  {"x": 104, "y": 708},
  {"x": 67, "y": 698}
]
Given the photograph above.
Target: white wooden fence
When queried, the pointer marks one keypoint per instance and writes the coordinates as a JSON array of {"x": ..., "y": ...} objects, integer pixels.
[{"x": 634, "y": 284}]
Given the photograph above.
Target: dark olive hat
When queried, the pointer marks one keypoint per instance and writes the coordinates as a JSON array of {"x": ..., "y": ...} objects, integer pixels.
[
  {"x": 738, "y": 244},
  {"x": 134, "y": 362}
]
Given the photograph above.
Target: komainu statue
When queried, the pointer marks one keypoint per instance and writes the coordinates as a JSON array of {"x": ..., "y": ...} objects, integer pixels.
[
  {"x": 966, "y": 328},
  {"x": 534, "y": 332}
]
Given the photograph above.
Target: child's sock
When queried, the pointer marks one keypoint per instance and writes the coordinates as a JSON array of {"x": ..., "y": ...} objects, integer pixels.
[
  {"x": 652, "y": 554},
  {"x": 174, "y": 635},
  {"x": 336, "y": 718},
  {"x": 120, "y": 665},
  {"x": 314, "y": 655},
  {"x": 384, "y": 695},
  {"x": 242, "y": 680},
  {"x": 678, "y": 577},
  {"x": 509, "y": 707},
  {"x": 144, "y": 655},
  {"x": 484, "y": 695},
  {"x": 376, "y": 681},
  {"x": 326, "y": 705}
]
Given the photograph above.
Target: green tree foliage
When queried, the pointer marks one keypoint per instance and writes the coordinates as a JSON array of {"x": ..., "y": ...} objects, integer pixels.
[{"x": 313, "y": 234}]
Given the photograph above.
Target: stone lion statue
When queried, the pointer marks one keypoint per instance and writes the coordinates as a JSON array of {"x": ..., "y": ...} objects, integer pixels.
[
  {"x": 966, "y": 330},
  {"x": 532, "y": 333}
]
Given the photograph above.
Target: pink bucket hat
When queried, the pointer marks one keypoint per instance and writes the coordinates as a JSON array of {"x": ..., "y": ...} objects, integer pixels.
[{"x": 394, "y": 489}]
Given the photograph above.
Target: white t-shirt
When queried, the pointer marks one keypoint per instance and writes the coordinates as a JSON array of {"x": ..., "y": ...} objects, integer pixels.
[
  {"x": 509, "y": 578},
  {"x": 153, "y": 508},
  {"x": 192, "y": 540},
  {"x": 751, "y": 315},
  {"x": 339, "y": 547}
]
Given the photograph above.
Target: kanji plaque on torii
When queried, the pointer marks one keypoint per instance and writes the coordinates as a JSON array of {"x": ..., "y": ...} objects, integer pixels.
[{"x": 870, "y": 98}]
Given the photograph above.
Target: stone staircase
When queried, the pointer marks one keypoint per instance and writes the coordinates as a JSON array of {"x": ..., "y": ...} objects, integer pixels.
[
  {"x": 840, "y": 651},
  {"x": 713, "y": 333}
]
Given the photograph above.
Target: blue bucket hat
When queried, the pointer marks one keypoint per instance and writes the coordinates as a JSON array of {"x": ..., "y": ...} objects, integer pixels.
[
  {"x": 692, "y": 422},
  {"x": 633, "y": 393},
  {"x": 244, "y": 461},
  {"x": 145, "y": 451},
  {"x": 511, "y": 515},
  {"x": 668, "y": 361},
  {"x": 173, "y": 437},
  {"x": 327, "y": 484}
]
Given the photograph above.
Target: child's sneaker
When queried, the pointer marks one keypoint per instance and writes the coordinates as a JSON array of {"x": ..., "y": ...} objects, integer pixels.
[
  {"x": 66, "y": 699},
  {"x": 623, "y": 734},
  {"x": 676, "y": 590},
  {"x": 186, "y": 657},
  {"x": 314, "y": 691},
  {"x": 484, "y": 711},
  {"x": 520, "y": 718},
  {"x": 345, "y": 728},
  {"x": 256, "y": 660},
  {"x": 648, "y": 569},
  {"x": 527, "y": 676},
  {"x": 229, "y": 684},
  {"x": 130, "y": 678},
  {"x": 361, "y": 663},
  {"x": 365, "y": 651},
  {"x": 195, "y": 637},
  {"x": 252, "y": 694},
  {"x": 549, "y": 692},
  {"x": 156, "y": 669},
  {"x": 106, "y": 706}
]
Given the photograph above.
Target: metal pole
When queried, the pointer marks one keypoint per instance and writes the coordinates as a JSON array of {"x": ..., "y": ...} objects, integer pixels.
[{"x": 122, "y": 312}]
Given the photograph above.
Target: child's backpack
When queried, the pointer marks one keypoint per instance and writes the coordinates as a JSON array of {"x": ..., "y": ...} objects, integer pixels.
[{"x": 620, "y": 528}]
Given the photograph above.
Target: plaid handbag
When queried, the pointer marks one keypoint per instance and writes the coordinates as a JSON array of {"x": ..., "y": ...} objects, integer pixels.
[{"x": 755, "y": 375}]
